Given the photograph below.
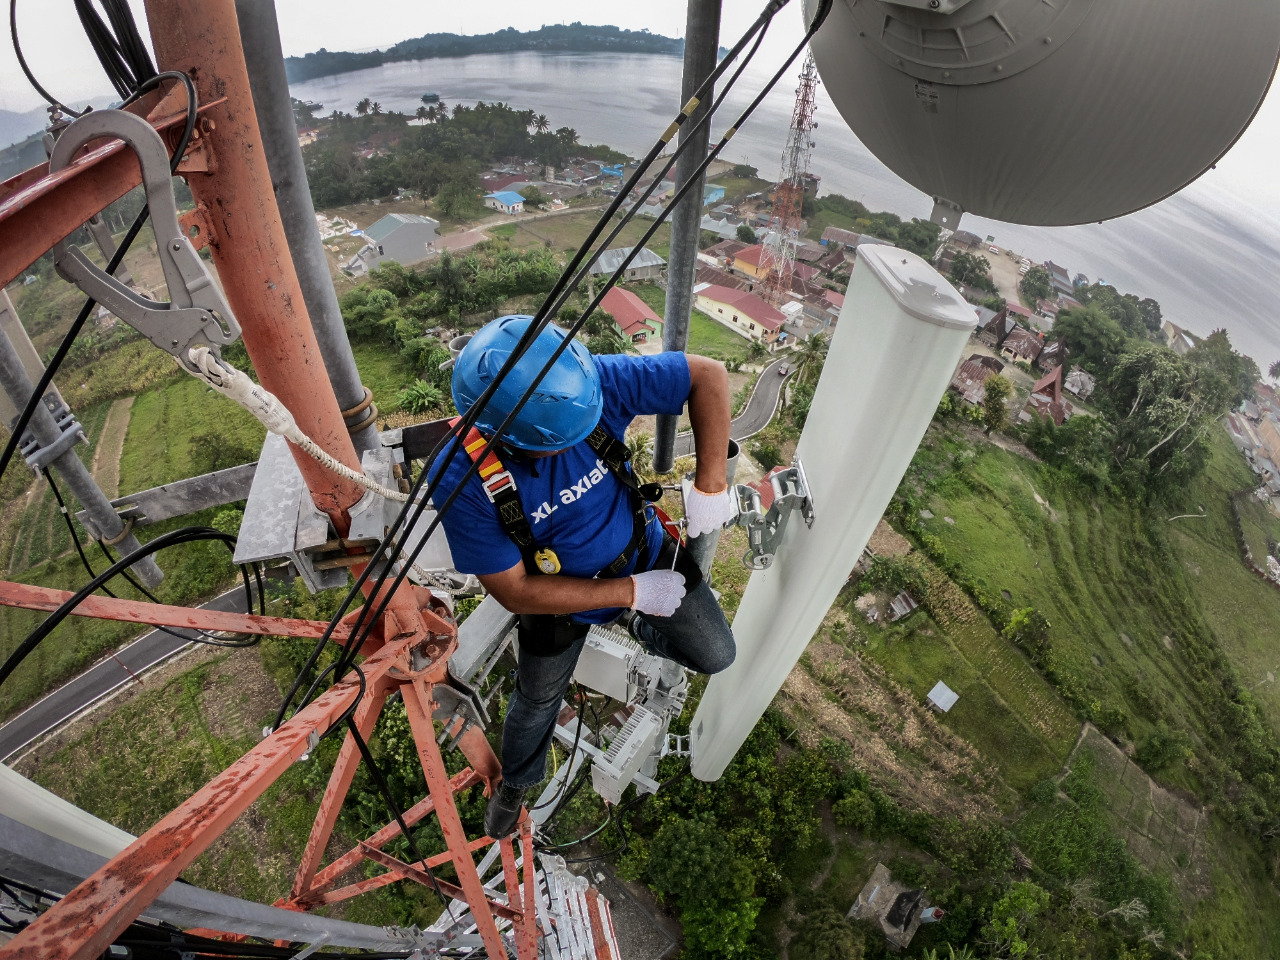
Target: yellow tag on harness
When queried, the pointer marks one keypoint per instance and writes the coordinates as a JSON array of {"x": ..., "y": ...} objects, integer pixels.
[{"x": 547, "y": 561}]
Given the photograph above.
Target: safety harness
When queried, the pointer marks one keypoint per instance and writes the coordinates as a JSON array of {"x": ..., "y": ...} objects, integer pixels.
[{"x": 500, "y": 487}]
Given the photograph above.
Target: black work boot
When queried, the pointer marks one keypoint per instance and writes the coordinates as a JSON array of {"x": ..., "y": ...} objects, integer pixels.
[{"x": 503, "y": 812}]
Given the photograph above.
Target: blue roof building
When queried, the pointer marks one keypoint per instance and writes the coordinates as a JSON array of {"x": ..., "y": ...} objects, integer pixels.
[
  {"x": 712, "y": 193},
  {"x": 507, "y": 201}
]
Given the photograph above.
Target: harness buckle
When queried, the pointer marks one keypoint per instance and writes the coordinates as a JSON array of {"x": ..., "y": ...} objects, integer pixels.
[{"x": 496, "y": 484}]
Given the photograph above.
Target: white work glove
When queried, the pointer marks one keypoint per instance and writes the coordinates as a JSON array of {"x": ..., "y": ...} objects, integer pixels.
[
  {"x": 658, "y": 592},
  {"x": 706, "y": 512}
]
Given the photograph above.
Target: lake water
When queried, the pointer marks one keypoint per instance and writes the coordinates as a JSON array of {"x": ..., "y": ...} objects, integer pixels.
[{"x": 1207, "y": 255}]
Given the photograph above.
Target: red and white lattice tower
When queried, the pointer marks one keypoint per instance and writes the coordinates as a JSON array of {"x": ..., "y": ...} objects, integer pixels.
[{"x": 778, "y": 262}]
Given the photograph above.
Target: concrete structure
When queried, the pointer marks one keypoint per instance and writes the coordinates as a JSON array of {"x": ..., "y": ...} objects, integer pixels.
[
  {"x": 894, "y": 906},
  {"x": 942, "y": 698},
  {"x": 740, "y": 311},
  {"x": 632, "y": 316},
  {"x": 505, "y": 201},
  {"x": 406, "y": 238},
  {"x": 646, "y": 265}
]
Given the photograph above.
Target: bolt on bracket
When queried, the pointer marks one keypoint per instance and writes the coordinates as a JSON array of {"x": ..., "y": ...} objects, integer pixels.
[{"x": 766, "y": 528}]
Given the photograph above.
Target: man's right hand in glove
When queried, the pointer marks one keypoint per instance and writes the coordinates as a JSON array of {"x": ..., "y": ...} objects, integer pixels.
[{"x": 657, "y": 592}]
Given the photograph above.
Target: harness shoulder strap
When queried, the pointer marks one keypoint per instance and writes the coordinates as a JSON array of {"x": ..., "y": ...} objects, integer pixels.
[{"x": 500, "y": 487}]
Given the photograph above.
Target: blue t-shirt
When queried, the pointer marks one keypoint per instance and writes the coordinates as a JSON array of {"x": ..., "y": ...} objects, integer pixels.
[{"x": 573, "y": 502}]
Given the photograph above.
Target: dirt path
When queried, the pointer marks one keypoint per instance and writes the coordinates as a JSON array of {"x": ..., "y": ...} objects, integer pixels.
[{"x": 106, "y": 458}]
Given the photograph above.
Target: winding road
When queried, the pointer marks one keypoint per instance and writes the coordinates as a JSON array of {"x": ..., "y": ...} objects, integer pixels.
[
  {"x": 756, "y": 414},
  {"x": 103, "y": 678}
]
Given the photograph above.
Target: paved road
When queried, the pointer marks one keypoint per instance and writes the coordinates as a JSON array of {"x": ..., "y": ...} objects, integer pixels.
[
  {"x": 100, "y": 680},
  {"x": 757, "y": 413}
]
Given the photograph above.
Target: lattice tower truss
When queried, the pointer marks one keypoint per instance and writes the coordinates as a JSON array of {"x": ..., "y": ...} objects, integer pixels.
[{"x": 778, "y": 263}]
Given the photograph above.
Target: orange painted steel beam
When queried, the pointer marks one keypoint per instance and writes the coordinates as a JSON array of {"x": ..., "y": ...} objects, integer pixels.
[
  {"x": 410, "y": 872},
  {"x": 418, "y": 704},
  {"x": 162, "y": 615},
  {"x": 331, "y": 874},
  {"x": 344, "y": 771},
  {"x": 202, "y": 38},
  {"x": 37, "y": 209},
  {"x": 88, "y": 919}
]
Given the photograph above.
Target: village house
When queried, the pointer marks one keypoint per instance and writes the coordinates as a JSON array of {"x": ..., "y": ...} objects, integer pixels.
[
  {"x": 722, "y": 228},
  {"x": 971, "y": 377},
  {"x": 1060, "y": 278},
  {"x": 707, "y": 275},
  {"x": 632, "y": 316},
  {"x": 1052, "y": 354},
  {"x": 742, "y": 312},
  {"x": 647, "y": 265},
  {"x": 721, "y": 254},
  {"x": 1080, "y": 382},
  {"x": 1021, "y": 346},
  {"x": 406, "y": 238},
  {"x": 999, "y": 326},
  {"x": 505, "y": 201},
  {"x": 1046, "y": 399},
  {"x": 1047, "y": 310},
  {"x": 963, "y": 238},
  {"x": 749, "y": 261},
  {"x": 1178, "y": 340},
  {"x": 839, "y": 237},
  {"x": 712, "y": 193}
]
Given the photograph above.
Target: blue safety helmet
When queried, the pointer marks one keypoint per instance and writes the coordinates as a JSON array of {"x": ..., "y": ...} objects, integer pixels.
[{"x": 563, "y": 410}]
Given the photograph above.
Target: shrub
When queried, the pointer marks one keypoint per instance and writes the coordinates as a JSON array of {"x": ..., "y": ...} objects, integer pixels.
[{"x": 855, "y": 811}]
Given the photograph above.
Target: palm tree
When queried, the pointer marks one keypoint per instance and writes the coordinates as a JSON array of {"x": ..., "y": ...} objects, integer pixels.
[
  {"x": 362, "y": 107},
  {"x": 421, "y": 113},
  {"x": 541, "y": 124},
  {"x": 526, "y": 117},
  {"x": 1274, "y": 371},
  {"x": 376, "y": 109},
  {"x": 810, "y": 358},
  {"x": 641, "y": 447}
]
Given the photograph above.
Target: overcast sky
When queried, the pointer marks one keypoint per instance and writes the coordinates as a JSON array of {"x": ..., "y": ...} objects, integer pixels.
[{"x": 61, "y": 58}]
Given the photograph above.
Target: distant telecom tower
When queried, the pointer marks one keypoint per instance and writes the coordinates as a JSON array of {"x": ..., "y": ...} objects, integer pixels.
[{"x": 778, "y": 262}]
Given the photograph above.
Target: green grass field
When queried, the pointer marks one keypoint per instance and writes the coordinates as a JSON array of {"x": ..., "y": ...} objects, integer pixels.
[
  {"x": 567, "y": 231},
  {"x": 706, "y": 336},
  {"x": 383, "y": 371},
  {"x": 1009, "y": 739},
  {"x": 1261, "y": 529},
  {"x": 184, "y": 429}
]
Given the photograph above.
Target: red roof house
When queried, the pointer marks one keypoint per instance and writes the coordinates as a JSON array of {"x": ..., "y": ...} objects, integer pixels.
[{"x": 633, "y": 316}]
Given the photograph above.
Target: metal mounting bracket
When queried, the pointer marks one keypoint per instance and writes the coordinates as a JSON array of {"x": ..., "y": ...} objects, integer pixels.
[
  {"x": 766, "y": 528},
  {"x": 197, "y": 314},
  {"x": 69, "y": 434}
]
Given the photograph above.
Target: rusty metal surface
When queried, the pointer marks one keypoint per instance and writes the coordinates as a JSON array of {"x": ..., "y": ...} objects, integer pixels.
[
  {"x": 37, "y": 209},
  {"x": 344, "y": 770},
  {"x": 202, "y": 38},
  {"x": 423, "y": 808},
  {"x": 162, "y": 615},
  {"x": 85, "y": 922}
]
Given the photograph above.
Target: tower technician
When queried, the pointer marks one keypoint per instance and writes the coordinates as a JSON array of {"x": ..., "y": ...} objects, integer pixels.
[{"x": 558, "y": 529}]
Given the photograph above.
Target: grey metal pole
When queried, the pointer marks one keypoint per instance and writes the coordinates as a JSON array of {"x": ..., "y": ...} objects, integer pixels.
[
  {"x": 702, "y": 550},
  {"x": 701, "y": 42},
  {"x": 260, "y": 37},
  {"x": 17, "y": 386}
]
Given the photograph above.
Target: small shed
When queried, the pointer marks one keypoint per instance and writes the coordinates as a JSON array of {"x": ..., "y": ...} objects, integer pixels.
[
  {"x": 942, "y": 698},
  {"x": 901, "y": 606},
  {"x": 898, "y": 909}
]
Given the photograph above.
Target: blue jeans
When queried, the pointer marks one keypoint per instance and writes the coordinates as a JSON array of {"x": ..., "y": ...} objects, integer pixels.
[{"x": 697, "y": 637}]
